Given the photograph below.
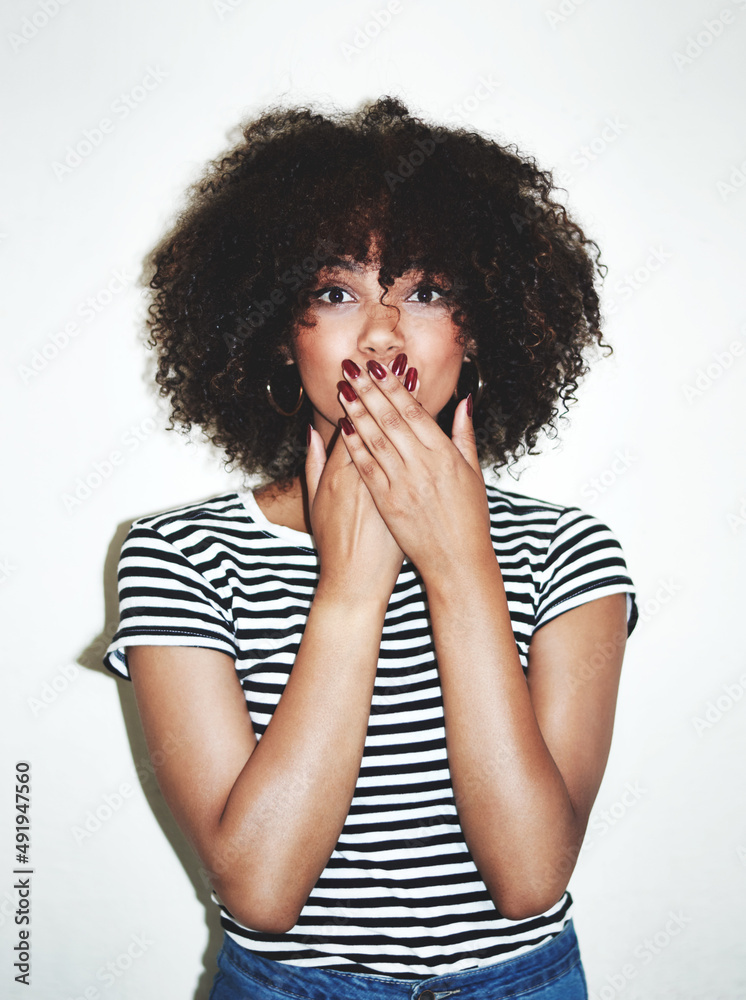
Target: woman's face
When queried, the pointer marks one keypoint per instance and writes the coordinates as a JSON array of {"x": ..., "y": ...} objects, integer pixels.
[{"x": 351, "y": 322}]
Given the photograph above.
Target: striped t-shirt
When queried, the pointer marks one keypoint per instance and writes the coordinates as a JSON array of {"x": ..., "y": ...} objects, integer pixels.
[{"x": 401, "y": 894}]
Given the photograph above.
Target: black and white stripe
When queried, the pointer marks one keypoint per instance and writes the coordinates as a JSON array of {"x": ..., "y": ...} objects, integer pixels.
[{"x": 400, "y": 895}]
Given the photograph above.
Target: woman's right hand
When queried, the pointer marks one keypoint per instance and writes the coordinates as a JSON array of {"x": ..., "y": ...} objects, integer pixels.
[{"x": 358, "y": 554}]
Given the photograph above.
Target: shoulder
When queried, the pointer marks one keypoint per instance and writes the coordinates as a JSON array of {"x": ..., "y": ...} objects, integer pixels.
[
  {"x": 519, "y": 503},
  {"x": 195, "y": 532},
  {"x": 516, "y": 511},
  {"x": 570, "y": 555},
  {"x": 179, "y": 522},
  {"x": 543, "y": 518}
]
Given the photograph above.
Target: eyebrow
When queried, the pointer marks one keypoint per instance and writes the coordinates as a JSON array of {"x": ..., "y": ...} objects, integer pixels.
[{"x": 342, "y": 264}]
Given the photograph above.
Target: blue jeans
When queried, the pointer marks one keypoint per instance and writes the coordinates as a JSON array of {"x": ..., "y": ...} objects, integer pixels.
[{"x": 552, "y": 971}]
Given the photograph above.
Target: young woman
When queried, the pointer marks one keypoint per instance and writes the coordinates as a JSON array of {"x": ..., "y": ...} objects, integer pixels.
[{"x": 379, "y": 693}]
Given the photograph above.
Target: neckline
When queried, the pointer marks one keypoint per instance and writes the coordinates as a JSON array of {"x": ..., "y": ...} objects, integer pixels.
[{"x": 300, "y": 538}]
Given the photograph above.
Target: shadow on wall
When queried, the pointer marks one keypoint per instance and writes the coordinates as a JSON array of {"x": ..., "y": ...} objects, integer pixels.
[{"x": 146, "y": 767}]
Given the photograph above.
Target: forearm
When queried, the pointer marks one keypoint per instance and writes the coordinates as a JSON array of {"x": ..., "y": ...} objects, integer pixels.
[
  {"x": 288, "y": 806},
  {"x": 514, "y": 808}
]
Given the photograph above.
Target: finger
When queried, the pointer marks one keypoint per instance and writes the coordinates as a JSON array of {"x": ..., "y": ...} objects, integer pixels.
[
  {"x": 320, "y": 458},
  {"x": 315, "y": 462},
  {"x": 374, "y": 431},
  {"x": 366, "y": 463},
  {"x": 463, "y": 435},
  {"x": 407, "y": 374},
  {"x": 385, "y": 412}
]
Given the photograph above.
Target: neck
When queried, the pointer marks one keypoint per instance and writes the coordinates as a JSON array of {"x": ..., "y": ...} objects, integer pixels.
[{"x": 286, "y": 505}]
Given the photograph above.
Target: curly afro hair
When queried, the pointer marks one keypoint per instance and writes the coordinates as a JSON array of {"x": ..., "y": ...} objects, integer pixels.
[{"x": 231, "y": 281}]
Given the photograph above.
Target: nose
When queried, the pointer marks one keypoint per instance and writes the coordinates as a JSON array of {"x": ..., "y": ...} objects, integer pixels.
[{"x": 381, "y": 335}]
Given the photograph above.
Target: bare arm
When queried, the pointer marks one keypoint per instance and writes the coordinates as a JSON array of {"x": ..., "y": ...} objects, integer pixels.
[
  {"x": 527, "y": 755},
  {"x": 264, "y": 817}
]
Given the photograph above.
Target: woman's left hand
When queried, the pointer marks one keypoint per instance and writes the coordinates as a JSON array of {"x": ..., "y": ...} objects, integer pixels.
[{"x": 427, "y": 487}]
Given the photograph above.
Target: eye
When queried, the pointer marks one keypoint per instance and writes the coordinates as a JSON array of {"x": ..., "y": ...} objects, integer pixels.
[
  {"x": 429, "y": 291},
  {"x": 332, "y": 290}
]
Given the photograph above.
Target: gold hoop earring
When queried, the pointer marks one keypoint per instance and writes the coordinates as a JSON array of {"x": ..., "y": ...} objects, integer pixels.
[
  {"x": 476, "y": 393},
  {"x": 273, "y": 404}
]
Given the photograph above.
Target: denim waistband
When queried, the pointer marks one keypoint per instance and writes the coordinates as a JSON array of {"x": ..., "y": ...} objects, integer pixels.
[{"x": 513, "y": 976}]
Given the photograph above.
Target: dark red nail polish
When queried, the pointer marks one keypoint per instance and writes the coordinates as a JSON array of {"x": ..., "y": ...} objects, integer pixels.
[
  {"x": 468, "y": 405},
  {"x": 411, "y": 380},
  {"x": 350, "y": 368},
  {"x": 346, "y": 424},
  {"x": 400, "y": 363},
  {"x": 375, "y": 369},
  {"x": 347, "y": 391},
  {"x": 308, "y": 437}
]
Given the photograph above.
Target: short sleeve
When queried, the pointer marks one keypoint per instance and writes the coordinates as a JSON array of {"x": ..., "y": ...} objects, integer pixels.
[
  {"x": 164, "y": 601},
  {"x": 583, "y": 561}
]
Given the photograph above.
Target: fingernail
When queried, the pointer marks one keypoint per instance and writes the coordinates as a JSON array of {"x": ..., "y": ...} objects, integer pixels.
[
  {"x": 468, "y": 405},
  {"x": 346, "y": 424},
  {"x": 347, "y": 391},
  {"x": 308, "y": 437},
  {"x": 400, "y": 363},
  {"x": 375, "y": 369},
  {"x": 350, "y": 368},
  {"x": 411, "y": 380}
]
